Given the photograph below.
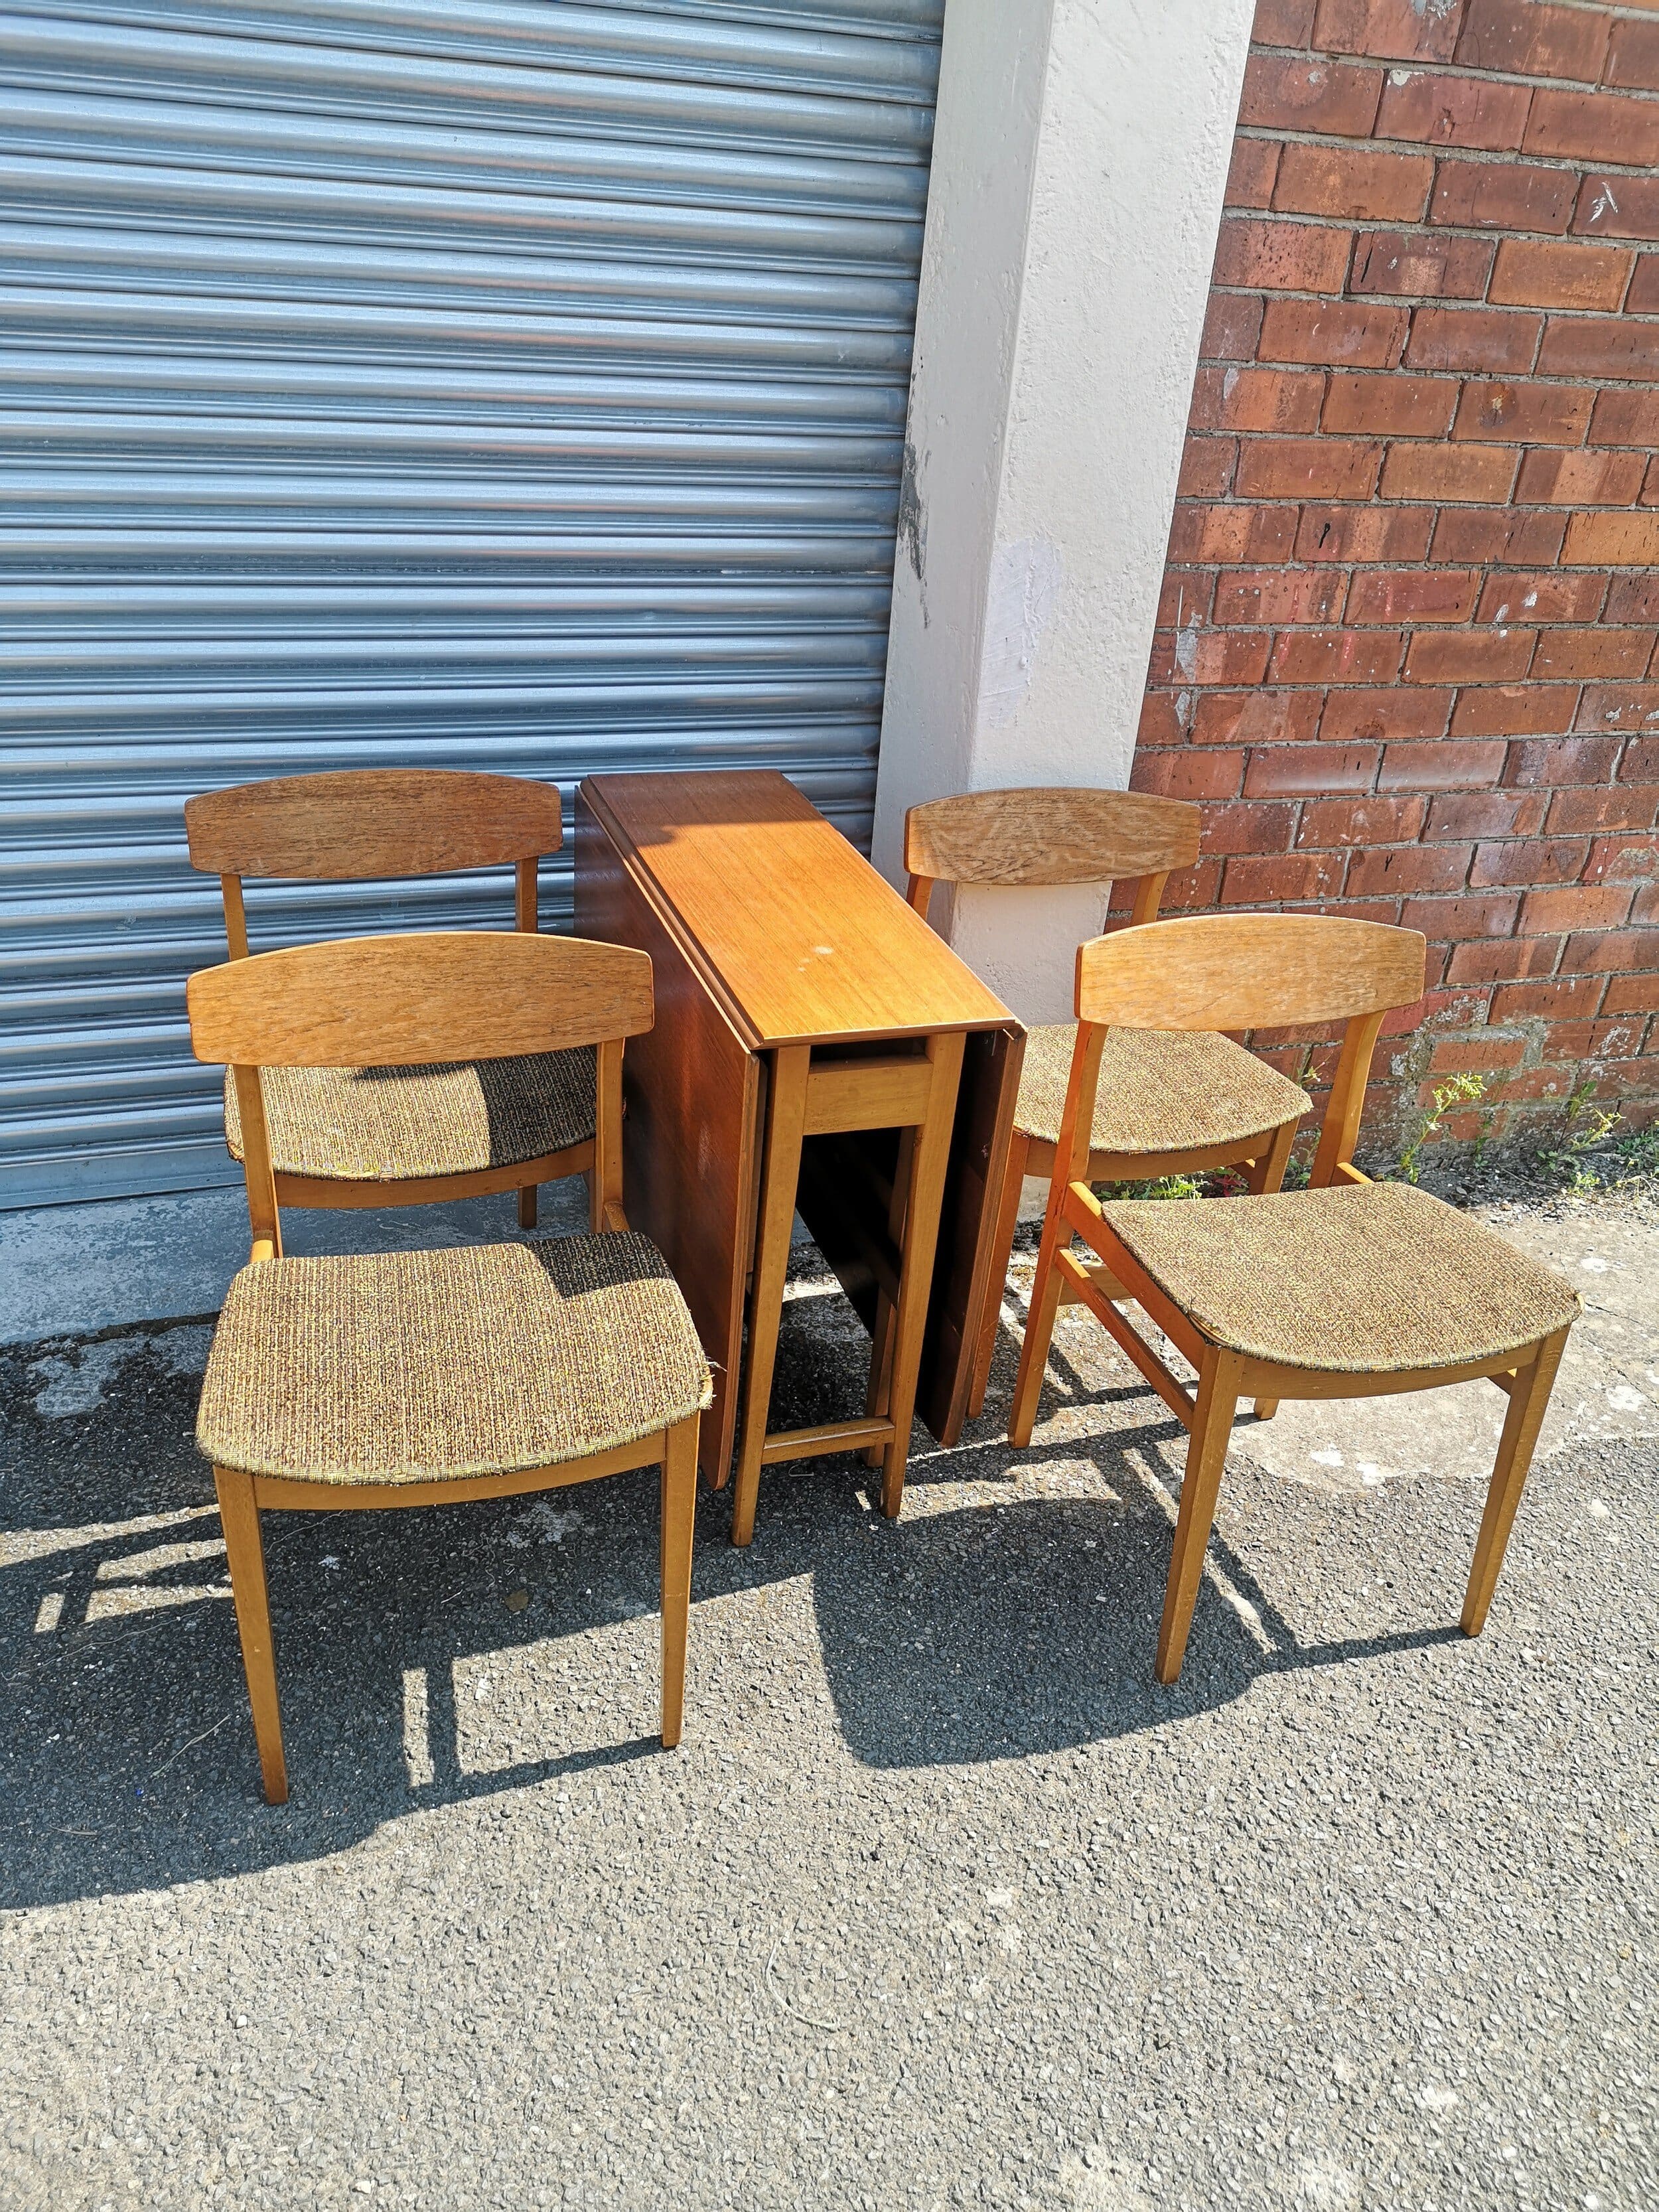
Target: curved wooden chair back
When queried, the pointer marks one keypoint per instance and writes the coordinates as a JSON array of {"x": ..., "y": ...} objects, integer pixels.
[
  {"x": 354, "y": 825},
  {"x": 1050, "y": 834},
  {"x": 1245, "y": 971},
  {"x": 411, "y": 1001},
  {"x": 1241, "y": 971},
  {"x": 407, "y": 1002}
]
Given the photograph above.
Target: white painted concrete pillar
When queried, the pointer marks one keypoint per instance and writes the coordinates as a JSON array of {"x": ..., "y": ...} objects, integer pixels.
[{"x": 1080, "y": 159}]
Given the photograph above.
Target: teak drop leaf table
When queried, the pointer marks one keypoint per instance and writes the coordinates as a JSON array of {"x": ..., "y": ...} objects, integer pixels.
[{"x": 819, "y": 1049}]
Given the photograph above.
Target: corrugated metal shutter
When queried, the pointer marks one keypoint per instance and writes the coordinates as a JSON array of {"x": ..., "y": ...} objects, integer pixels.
[{"x": 385, "y": 381}]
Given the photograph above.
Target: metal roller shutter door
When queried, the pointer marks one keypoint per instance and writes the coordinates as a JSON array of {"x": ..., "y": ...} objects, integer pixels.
[{"x": 383, "y": 381}]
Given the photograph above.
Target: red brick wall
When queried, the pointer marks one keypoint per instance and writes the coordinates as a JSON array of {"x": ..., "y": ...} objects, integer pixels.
[{"x": 1406, "y": 651}]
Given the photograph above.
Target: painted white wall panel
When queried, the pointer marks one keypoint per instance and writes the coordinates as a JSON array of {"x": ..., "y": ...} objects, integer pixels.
[{"x": 1083, "y": 146}]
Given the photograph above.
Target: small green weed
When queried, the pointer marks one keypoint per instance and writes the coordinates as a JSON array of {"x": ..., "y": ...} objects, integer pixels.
[
  {"x": 1212, "y": 1182},
  {"x": 1170, "y": 1186},
  {"x": 1585, "y": 1128},
  {"x": 1638, "y": 1154},
  {"x": 1460, "y": 1090}
]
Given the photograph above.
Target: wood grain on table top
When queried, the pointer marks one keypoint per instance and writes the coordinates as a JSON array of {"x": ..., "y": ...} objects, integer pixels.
[{"x": 800, "y": 937}]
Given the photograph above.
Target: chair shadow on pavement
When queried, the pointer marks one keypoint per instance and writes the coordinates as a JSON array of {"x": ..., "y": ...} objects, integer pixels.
[
  {"x": 127, "y": 1753},
  {"x": 434, "y": 1656},
  {"x": 1005, "y": 1630}
]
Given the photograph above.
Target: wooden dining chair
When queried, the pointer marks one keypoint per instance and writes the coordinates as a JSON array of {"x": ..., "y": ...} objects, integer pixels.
[
  {"x": 1349, "y": 1289},
  {"x": 383, "y": 1136},
  {"x": 420, "y": 1378},
  {"x": 1167, "y": 1102}
]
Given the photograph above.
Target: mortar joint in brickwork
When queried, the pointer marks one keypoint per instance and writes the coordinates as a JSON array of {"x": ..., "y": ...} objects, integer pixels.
[{"x": 1411, "y": 588}]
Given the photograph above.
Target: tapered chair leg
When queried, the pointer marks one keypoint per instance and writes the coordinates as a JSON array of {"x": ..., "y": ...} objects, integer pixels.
[
  {"x": 679, "y": 1509},
  {"x": 1002, "y": 1253},
  {"x": 1529, "y": 1402},
  {"x": 1207, "y": 1455},
  {"x": 527, "y": 1206},
  {"x": 244, "y": 1551},
  {"x": 1268, "y": 1171},
  {"x": 1268, "y": 1174},
  {"x": 1039, "y": 1329}
]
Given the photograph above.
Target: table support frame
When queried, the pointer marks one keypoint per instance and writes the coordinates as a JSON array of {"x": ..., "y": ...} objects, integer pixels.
[{"x": 918, "y": 1097}]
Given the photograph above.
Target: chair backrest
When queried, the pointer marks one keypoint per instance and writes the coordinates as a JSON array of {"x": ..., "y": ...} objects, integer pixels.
[
  {"x": 353, "y": 825},
  {"x": 410, "y": 1002},
  {"x": 1243, "y": 971},
  {"x": 1050, "y": 834},
  {"x": 406, "y": 1001}
]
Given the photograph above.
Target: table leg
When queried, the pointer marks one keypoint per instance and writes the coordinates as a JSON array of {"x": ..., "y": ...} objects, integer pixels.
[
  {"x": 785, "y": 1123},
  {"x": 929, "y": 1164},
  {"x": 881, "y": 1334}
]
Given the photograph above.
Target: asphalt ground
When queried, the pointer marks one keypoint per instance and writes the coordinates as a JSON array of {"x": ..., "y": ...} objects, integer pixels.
[{"x": 943, "y": 1901}]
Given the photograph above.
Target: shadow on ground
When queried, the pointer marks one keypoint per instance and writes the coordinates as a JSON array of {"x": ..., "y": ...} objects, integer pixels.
[{"x": 977, "y": 1631}]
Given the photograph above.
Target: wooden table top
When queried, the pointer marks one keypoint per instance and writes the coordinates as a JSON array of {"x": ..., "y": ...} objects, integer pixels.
[{"x": 800, "y": 939}]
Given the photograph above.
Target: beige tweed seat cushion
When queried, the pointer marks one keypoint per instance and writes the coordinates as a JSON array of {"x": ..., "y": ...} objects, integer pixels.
[
  {"x": 412, "y": 1366},
  {"x": 1363, "y": 1279},
  {"x": 393, "y": 1124},
  {"x": 1160, "y": 1090}
]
